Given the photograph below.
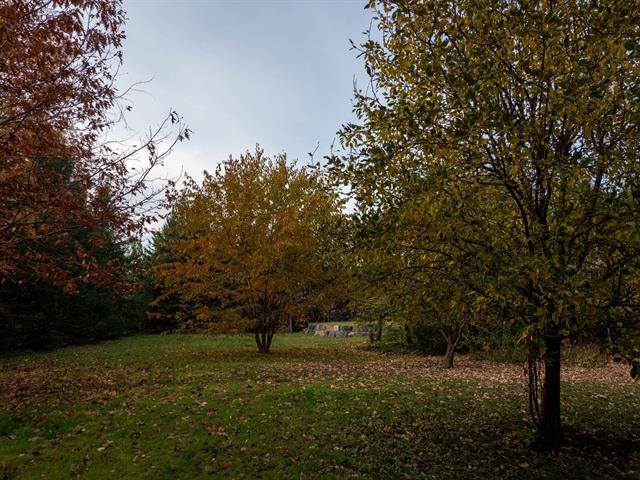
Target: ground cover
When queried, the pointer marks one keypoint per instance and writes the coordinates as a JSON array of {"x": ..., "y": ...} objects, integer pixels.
[{"x": 212, "y": 407}]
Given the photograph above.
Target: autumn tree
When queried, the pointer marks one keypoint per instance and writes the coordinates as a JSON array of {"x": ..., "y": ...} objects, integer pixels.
[
  {"x": 427, "y": 283},
  {"x": 534, "y": 106},
  {"x": 249, "y": 248},
  {"x": 58, "y": 175}
]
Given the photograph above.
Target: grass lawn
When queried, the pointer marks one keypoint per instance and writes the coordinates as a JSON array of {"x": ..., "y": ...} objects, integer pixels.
[{"x": 166, "y": 407}]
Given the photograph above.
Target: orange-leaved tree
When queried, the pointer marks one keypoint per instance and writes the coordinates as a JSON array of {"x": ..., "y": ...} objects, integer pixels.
[
  {"x": 59, "y": 178},
  {"x": 248, "y": 246}
]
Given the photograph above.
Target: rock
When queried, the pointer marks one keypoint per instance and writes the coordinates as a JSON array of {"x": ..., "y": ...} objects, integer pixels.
[
  {"x": 336, "y": 334},
  {"x": 360, "y": 333},
  {"x": 313, "y": 327}
]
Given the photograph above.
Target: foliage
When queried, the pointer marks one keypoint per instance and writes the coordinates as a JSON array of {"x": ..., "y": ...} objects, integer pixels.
[
  {"x": 523, "y": 119},
  {"x": 248, "y": 249},
  {"x": 58, "y": 176},
  {"x": 428, "y": 338},
  {"x": 163, "y": 307},
  {"x": 493, "y": 340},
  {"x": 71, "y": 204},
  {"x": 40, "y": 315}
]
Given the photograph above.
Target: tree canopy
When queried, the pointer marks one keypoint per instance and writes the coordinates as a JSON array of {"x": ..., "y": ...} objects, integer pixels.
[
  {"x": 248, "y": 245},
  {"x": 58, "y": 175},
  {"x": 532, "y": 107}
]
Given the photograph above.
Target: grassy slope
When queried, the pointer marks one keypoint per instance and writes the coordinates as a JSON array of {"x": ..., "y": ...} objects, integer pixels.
[{"x": 166, "y": 407}]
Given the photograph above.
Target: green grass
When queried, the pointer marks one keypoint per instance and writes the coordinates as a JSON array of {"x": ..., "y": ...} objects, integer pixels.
[{"x": 166, "y": 407}]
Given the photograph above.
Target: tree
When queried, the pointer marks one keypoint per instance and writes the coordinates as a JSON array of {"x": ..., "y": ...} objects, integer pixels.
[
  {"x": 446, "y": 306},
  {"x": 436, "y": 288},
  {"x": 57, "y": 101},
  {"x": 37, "y": 314},
  {"x": 534, "y": 106},
  {"x": 164, "y": 307},
  {"x": 248, "y": 244}
]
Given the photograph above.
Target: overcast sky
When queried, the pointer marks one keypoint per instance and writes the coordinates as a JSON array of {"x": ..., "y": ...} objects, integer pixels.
[{"x": 275, "y": 72}]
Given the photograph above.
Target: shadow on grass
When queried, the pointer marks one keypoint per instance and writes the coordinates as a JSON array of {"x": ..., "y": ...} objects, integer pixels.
[{"x": 457, "y": 448}]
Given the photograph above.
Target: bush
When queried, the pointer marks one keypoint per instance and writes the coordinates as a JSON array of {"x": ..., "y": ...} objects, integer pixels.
[
  {"x": 428, "y": 339},
  {"x": 495, "y": 343},
  {"x": 393, "y": 339},
  {"x": 583, "y": 355}
]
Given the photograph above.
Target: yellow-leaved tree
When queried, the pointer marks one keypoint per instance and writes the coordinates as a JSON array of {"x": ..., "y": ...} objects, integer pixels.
[{"x": 248, "y": 245}]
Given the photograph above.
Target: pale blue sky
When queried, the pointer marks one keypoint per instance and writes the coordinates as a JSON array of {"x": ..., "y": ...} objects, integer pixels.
[{"x": 275, "y": 72}]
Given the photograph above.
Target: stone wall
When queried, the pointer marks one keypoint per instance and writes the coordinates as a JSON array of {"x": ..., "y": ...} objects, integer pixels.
[{"x": 335, "y": 331}]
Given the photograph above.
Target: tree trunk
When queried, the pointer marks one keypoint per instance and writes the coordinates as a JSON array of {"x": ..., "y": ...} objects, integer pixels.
[
  {"x": 379, "y": 331},
  {"x": 549, "y": 435},
  {"x": 452, "y": 335},
  {"x": 259, "y": 341},
  {"x": 448, "y": 357},
  {"x": 263, "y": 340},
  {"x": 407, "y": 334}
]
